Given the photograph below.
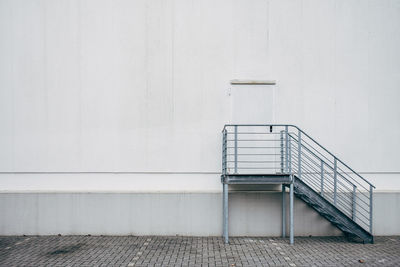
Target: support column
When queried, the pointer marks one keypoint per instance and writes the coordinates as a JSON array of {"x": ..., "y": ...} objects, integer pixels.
[
  {"x": 225, "y": 208},
  {"x": 291, "y": 214},
  {"x": 286, "y": 149},
  {"x": 371, "y": 204},
  {"x": 282, "y": 154},
  {"x": 283, "y": 211}
]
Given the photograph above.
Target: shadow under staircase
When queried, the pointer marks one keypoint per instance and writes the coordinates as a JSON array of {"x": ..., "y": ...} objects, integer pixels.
[{"x": 286, "y": 155}]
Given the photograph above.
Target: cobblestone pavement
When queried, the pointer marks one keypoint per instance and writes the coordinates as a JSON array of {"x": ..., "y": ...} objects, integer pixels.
[{"x": 194, "y": 251}]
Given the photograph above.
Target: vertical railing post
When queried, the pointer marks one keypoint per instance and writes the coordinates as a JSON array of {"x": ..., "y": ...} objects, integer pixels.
[
  {"x": 283, "y": 211},
  {"x": 290, "y": 154},
  {"x": 286, "y": 149},
  {"x": 282, "y": 157},
  {"x": 370, "y": 207},
  {"x": 322, "y": 177},
  {"x": 225, "y": 187},
  {"x": 299, "y": 155},
  {"x": 224, "y": 152},
  {"x": 353, "y": 202},
  {"x": 236, "y": 149},
  {"x": 334, "y": 181},
  {"x": 291, "y": 216},
  {"x": 225, "y": 209}
]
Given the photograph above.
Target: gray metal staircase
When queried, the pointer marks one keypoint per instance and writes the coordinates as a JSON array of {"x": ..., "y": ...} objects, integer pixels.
[
  {"x": 284, "y": 154},
  {"x": 330, "y": 212}
]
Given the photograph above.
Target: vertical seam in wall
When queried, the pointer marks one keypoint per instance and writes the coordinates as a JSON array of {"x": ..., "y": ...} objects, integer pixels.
[
  {"x": 12, "y": 67},
  {"x": 334, "y": 71},
  {"x": 369, "y": 158},
  {"x": 79, "y": 48},
  {"x": 44, "y": 77},
  {"x": 268, "y": 71},
  {"x": 147, "y": 29},
  {"x": 173, "y": 59},
  {"x": 267, "y": 48},
  {"x": 301, "y": 65}
]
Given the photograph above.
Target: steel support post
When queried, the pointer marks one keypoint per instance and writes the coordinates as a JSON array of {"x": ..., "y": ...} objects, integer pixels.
[
  {"x": 290, "y": 154},
  {"x": 282, "y": 157},
  {"x": 353, "y": 210},
  {"x": 370, "y": 207},
  {"x": 299, "y": 156},
  {"x": 291, "y": 213},
  {"x": 236, "y": 149},
  {"x": 334, "y": 181},
  {"x": 224, "y": 152},
  {"x": 283, "y": 211},
  {"x": 225, "y": 208},
  {"x": 286, "y": 149}
]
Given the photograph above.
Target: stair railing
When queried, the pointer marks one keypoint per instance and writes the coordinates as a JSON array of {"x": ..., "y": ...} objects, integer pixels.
[{"x": 286, "y": 149}]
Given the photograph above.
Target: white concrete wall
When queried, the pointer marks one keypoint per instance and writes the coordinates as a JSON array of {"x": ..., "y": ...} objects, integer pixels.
[
  {"x": 142, "y": 86},
  {"x": 151, "y": 214},
  {"x": 132, "y": 95},
  {"x": 200, "y": 214}
]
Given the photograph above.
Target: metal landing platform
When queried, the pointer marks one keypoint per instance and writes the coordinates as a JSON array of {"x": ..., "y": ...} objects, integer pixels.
[{"x": 255, "y": 179}]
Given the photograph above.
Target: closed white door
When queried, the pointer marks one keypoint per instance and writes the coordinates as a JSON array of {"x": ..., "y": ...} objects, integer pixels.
[{"x": 252, "y": 104}]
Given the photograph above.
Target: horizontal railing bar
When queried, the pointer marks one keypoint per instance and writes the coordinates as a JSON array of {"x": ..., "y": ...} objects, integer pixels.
[
  {"x": 348, "y": 175},
  {"x": 260, "y": 154},
  {"x": 253, "y": 161},
  {"x": 340, "y": 204},
  {"x": 357, "y": 197},
  {"x": 319, "y": 159},
  {"x": 330, "y": 175},
  {"x": 337, "y": 159},
  {"x": 328, "y": 187},
  {"x": 347, "y": 192},
  {"x": 324, "y": 162},
  {"x": 252, "y": 140},
  {"x": 363, "y": 218},
  {"x": 266, "y": 168},
  {"x": 362, "y": 223},
  {"x": 311, "y": 167},
  {"x": 339, "y": 196},
  {"x": 259, "y": 125},
  {"x": 251, "y": 133},
  {"x": 366, "y": 203},
  {"x": 252, "y": 147},
  {"x": 362, "y": 207},
  {"x": 306, "y": 143},
  {"x": 367, "y": 218},
  {"x": 337, "y": 173},
  {"x": 358, "y": 184}
]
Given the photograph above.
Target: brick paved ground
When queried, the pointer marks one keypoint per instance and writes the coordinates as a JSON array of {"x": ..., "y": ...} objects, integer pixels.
[{"x": 194, "y": 251}]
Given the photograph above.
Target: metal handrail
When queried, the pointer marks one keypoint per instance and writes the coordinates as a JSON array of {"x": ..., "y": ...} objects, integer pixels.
[
  {"x": 321, "y": 146},
  {"x": 295, "y": 152}
]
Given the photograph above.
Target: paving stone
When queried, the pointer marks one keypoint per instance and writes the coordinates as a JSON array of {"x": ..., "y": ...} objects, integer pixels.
[{"x": 195, "y": 251}]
